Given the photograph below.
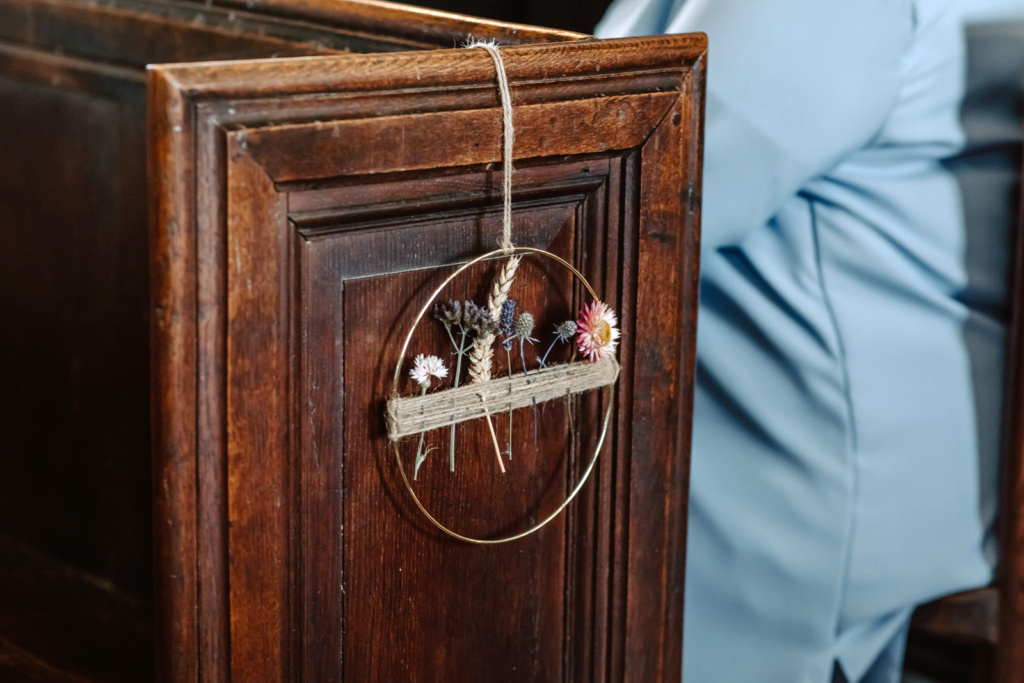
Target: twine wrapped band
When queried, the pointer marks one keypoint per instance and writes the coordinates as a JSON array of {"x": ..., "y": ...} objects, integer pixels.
[{"x": 415, "y": 414}]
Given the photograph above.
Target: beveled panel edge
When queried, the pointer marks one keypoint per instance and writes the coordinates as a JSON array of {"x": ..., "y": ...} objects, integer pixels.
[
  {"x": 312, "y": 223},
  {"x": 134, "y": 33},
  {"x": 51, "y": 70},
  {"x": 174, "y": 383},
  {"x": 564, "y": 63},
  {"x": 391, "y": 144},
  {"x": 666, "y": 281}
]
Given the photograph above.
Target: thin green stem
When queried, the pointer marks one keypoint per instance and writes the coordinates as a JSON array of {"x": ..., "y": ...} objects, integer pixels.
[
  {"x": 508, "y": 358},
  {"x": 448, "y": 329},
  {"x": 458, "y": 372},
  {"x": 522, "y": 356},
  {"x": 544, "y": 360},
  {"x": 420, "y": 455}
]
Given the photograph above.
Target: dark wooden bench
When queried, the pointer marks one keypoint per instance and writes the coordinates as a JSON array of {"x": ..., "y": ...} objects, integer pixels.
[{"x": 296, "y": 209}]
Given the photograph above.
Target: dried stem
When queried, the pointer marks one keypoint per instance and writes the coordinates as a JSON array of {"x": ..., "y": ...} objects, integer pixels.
[
  {"x": 508, "y": 358},
  {"x": 420, "y": 455},
  {"x": 458, "y": 371},
  {"x": 494, "y": 438},
  {"x": 522, "y": 356}
]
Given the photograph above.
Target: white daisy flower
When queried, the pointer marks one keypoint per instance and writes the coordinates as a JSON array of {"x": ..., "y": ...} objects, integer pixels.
[{"x": 425, "y": 367}]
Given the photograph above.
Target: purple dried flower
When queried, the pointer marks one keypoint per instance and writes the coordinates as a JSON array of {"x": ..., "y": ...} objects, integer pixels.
[{"x": 508, "y": 312}]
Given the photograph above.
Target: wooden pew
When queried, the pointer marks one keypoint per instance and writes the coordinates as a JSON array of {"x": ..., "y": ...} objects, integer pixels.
[{"x": 296, "y": 208}]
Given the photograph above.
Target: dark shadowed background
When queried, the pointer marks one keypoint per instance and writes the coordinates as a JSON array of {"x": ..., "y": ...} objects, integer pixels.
[{"x": 576, "y": 15}]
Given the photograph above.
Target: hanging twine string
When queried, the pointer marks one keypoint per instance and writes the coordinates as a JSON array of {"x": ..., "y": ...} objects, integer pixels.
[
  {"x": 481, "y": 397},
  {"x": 481, "y": 358},
  {"x": 509, "y": 136},
  {"x": 482, "y": 355}
]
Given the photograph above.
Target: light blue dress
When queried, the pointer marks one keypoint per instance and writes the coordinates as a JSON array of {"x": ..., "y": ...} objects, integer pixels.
[{"x": 860, "y": 161}]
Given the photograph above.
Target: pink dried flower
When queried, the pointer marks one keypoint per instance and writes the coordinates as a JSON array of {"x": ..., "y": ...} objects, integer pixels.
[{"x": 597, "y": 332}]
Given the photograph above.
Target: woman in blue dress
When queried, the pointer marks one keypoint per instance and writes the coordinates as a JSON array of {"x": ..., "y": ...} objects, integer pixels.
[{"x": 860, "y": 161}]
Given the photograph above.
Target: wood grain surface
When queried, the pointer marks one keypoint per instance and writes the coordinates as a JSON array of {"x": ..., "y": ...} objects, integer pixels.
[
  {"x": 322, "y": 232},
  {"x": 283, "y": 214}
]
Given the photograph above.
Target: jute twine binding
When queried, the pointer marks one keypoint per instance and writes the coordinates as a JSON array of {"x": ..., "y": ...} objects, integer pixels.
[
  {"x": 481, "y": 358},
  {"x": 509, "y": 134},
  {"x": 415, "y": 414}
]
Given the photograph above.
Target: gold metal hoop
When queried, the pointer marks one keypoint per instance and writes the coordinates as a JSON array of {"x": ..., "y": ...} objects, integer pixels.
[{"x": 398, "y": 375}]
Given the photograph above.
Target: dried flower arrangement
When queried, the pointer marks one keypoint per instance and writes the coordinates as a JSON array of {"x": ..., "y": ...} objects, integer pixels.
[{"x": 472, "y": 331}]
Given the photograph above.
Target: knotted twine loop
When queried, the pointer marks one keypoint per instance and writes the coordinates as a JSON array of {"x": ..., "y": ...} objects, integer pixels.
[{"x": 508, "y": 135}]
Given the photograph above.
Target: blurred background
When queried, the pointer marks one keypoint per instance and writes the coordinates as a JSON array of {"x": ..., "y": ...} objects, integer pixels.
[{"x": 580, "y": 15}]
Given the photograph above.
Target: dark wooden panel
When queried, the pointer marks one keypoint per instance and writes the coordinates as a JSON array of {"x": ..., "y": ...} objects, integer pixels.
[
  {"x": 407, "y": 603},
  {"x": 73, "y": 345},
  {"x": 419, "y": 27},
  {"x": 1009, "y": 658},
  {"x": 141, "y": 32},
  {"x": 287, "y": 284},
  {"x": 62, "y": 625},
  {"x": 971, "y": 617},
  {"x": 73, "y": 271},
  {"x": 581, "y": 15}
]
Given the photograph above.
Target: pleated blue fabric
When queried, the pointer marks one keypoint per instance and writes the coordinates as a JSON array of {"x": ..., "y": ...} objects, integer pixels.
[{"x": 860, "y": 162}]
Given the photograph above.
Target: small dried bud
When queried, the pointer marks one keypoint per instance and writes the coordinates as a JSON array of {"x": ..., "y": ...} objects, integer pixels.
[
  {"x": 524, "y": 326},
  {"x": 478, "y": 321},
  {"x": 566, "y": 330},
  {"x": 449, "y": 313}
]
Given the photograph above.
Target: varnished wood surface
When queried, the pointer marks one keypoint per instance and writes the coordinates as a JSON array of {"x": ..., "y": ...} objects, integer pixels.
[
  {"x": 423, "y": 27},
  {"x": 971, "y": 617},
  {"x": 281, "y": 287},
  {"x": 253, "y": 480},
  {"x": 74, "y": 479},
  {"x": 142, "y": 32},
  {"x": 59, "y": 624},
  {"x": 74, "y": 269},
  {"x": 1009, "y": 658}
]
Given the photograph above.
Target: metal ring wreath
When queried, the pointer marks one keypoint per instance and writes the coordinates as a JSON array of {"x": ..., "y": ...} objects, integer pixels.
[{"x": 594, "y": 331}]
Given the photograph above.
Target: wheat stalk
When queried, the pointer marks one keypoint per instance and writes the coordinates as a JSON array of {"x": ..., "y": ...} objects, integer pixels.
[{"x": 482, "y": 355}]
